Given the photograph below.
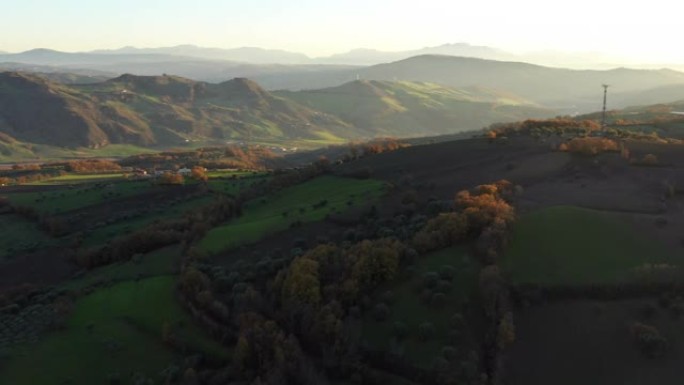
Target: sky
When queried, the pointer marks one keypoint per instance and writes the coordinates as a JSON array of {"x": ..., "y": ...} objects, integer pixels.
[{"x": 642, "y": 31}]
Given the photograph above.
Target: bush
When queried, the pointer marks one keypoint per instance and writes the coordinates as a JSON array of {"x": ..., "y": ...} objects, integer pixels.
[
  {"x": 400, "y": 330},
  {"x": 381, "y": 312},
  {"x": 447, "y": 272},
  {"x": 449, "y": 352},
  {"x": 648, "y": 340},
  {"x": 430, "y": 279},
  {"x": 426, "y": 330},
  {"x": 438, "y": 300},
  {"x": 444, "y": 286}
]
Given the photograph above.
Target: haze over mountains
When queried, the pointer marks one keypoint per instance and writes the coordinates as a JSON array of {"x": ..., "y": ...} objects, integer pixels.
[{"x": 568, "y": 91}]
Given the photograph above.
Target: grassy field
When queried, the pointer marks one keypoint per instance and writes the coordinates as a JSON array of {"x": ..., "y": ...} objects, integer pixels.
[
  {"x": 278, "y": 211},
  {"x": 159, "y": 262},
  {"x": 117, "y": 329},
  {"x": 103, "y": 234},
  {"x": 233, "y": 186},
  {"x": 67, "y": 199},
  {"x": 410, "y": 309},
  {"x": 18, "y": 234},
  {"x": 571, "y": 245},
  {"x": 232, "y": 173},
  {"x": 82, "y": 178}
]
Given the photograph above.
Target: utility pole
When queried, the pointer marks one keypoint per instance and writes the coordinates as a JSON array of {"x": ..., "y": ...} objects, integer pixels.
[{"x": 605, "y": 96}]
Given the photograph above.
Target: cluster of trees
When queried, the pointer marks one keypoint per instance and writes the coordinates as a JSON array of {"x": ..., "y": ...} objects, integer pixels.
[
  {"x": 555, "y": 126},
  {"x": 242, "y": 157},
  {"x": 589, "y": 145},
  {"x": 170, "y": 178},
  {"x": 185, "y": 230},
  {"x": 91, "y": 165},
  {"x": 482, "y": 213},
  {"x": 51, "y": 225},
  {"x": 28, "y": 174},
  {"x": 376, "y": 146},
  {"x": 290, "y": 318}
]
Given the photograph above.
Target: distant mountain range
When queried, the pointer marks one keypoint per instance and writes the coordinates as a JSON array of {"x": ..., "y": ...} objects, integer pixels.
[
  {"x": 569, "y": 91},
  {"x": 356, "y": 57},
  {"x": 251, "y": 55},
  {"x": 163, "y": 111}
]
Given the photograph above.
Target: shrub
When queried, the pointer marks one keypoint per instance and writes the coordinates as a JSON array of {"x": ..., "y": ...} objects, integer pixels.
[
  {"x": 430, "y": 279},
  {"x": 648, "y": 340},
  {"x": 449, "y": 352},
  {"x": 381, "y": 312},
  {"x": 426, "y": 330},
  {"x": 589, "y": 145},
  {"x": 400, "y": 330},
  {"x": 447, "y": 272},
  {"x": 438, "y": 300}
]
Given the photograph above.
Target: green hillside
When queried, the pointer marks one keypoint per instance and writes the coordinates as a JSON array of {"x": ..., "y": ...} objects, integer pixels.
[
  {"x": 148, "y": 111},
  {"x": 416, "y": 108}
]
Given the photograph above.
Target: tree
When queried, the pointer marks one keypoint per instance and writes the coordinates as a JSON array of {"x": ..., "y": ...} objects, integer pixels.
[
  {"x": 302, "y": 283},
  {"x": 199, "y": 173},
  {"x": 170, "y": 178},
  {"x": 506, "y": 331}
]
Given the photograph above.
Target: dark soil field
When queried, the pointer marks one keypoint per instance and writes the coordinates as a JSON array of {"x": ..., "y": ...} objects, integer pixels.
[{"x": 589, "y": 342}]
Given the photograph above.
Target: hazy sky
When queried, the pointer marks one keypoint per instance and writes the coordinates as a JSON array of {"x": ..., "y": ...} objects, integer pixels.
[{"x": 648, "y": 31}]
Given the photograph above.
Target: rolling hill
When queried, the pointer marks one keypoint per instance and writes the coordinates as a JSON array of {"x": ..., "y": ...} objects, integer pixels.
[
  {"x": 413, "y": 109},
  {"x": 149, "y": 111}
]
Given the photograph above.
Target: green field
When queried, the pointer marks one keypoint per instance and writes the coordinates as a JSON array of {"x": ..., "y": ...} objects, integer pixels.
[
  {"x": 227, "y": 185},
  {"x": 82, "y": 178},
  {"x": 278, "y": 211},
  {"x": 67, "y": 199},
  {"x": 18, "y": 234},
  {"x": 117, "y": 329},
  {"x": 232, "y": 173},
  {"x": 410, "y": 309},
  {"x": 159, "y": 262},
  {"x": 567, "y": 245},
  {"x": 103, "y": 234}
]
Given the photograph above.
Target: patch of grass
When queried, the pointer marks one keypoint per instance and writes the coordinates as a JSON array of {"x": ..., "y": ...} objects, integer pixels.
[
  {"x": 571, "y": 246},
  {"x": 82, "y": 178},
  {"x": 159, "y": 262},
  {"x": 103, "y": 234},
  {"x": 228, "y": 185},
  {"x": 113, "y": 330},
  {"x": 66, "y": 199},
  {"x": 18, "y": 234},
  {"x": 409, "y": 308},
  {"x": 278, "y": 211}
]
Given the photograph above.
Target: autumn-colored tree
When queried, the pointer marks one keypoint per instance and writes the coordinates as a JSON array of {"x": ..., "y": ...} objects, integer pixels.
[
  {"x": 444, "y": 230},
  {"x": 375, "y": 261},
  {"x": 199, "y": 173},
  {"x": 590, "y": 145},
  {"x": 302, "y": 283},
  {"x": 170, "y": 178},
  {"x": 649, "y": 160}
]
